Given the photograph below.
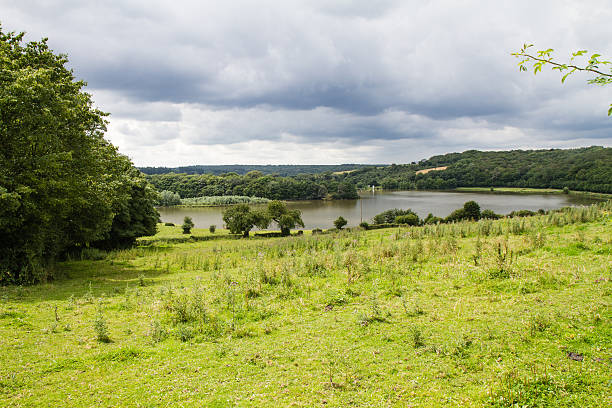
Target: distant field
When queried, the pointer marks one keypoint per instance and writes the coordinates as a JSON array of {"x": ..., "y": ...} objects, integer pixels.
[
  {"x": 514, "y": 312},
  {"x": 425, "y": 171}
]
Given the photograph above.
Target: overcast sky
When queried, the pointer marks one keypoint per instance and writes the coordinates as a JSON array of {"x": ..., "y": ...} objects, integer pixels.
[{"x": 326, "y": 81}]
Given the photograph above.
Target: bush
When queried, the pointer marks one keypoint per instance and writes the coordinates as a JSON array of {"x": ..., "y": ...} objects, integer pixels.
[
  {"x": 212, "y": 229},
  {"x": 388, "y": 217},
  {"x": 566, "y": 190},
  {"x": 187, "y": 225},
  {"x": 169, "y": 198},
  {"x": 432, "y": 219},
  {"x": 169, "y": 224},
  {"x": 410, "y": 219},
  {"x": 490, "y": 215},
  {"x": 472, "y": 210},
  {"x": 522, "y": 213},
  {"x": 364, "y": 225},
  {"x": 340, "y": 222},
  {"x": 317, "y": 231}
]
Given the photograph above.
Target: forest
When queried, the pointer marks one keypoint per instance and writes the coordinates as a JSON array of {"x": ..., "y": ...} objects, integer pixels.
[
  {"x": 255, "y": 184},
  {"x": 242, "y": 169},
  {"x": 63, "y": 186},
  {"x": 583, "y": 169}
]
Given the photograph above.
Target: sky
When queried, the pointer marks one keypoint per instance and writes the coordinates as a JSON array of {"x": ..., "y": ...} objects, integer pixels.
[{"x": 327, "y": 81}]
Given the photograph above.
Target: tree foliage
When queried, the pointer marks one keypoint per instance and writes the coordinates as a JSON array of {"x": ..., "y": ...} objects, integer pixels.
[
  {"x": 240, "y": 219},
  {"x": 593, "y": 65},
  {"x": 285, "y": 218},
  {"x": 187, "y": 225},
  {"x": 301, "y": 187},
  {"x": 62, "y": 185},
  {"x": 340, "y": 222},
  {"x": 168, "y": 199}
]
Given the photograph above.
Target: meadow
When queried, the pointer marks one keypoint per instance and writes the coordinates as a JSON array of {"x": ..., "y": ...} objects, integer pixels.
[{"x": 500, "y": 313}]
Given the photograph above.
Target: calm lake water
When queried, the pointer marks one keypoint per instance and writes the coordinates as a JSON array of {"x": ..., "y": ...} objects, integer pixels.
[{"x": 321, "y": 214}]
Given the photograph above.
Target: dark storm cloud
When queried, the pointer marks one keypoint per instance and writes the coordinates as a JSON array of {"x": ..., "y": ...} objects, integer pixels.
[{"x": 357, "y": 72}]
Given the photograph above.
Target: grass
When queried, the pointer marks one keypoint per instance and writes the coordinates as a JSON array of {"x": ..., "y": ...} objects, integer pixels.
[{"x": 468, "y": 314}]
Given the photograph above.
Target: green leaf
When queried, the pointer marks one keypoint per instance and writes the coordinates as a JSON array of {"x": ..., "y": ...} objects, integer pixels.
[{"x": 610, "y": 110}]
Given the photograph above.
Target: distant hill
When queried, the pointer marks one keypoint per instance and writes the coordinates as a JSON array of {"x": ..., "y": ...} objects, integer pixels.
[
  {"x": 242, "y": 169},
  {"x": 585, "y": 169}
]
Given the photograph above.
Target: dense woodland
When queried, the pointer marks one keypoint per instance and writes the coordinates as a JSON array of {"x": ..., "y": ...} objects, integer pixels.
[
  {"x": 63, "y": 187},
  {"x": 242, "y": 169},
  {"x": 255, "y": 184},
  {"x": 584, "y": 169}
]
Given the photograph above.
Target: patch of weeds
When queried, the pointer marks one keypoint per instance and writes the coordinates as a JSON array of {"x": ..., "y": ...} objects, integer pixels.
[
  {"x": 10, "y": 384},
  {"x": 185, "y": 333},
  {"x": 157, "y": 332},
  {"x": 92, "y": 254},
  {"x": 375, "y": 314},
  {"x": 88, "y": 297},
  {"x": 537, "y": 324},
  {"x": 336, "y": 299},
  {"x": 527, "y": 287},
  {"x": 537, "y": 239},
  {"x": 477, "y": 255},
  {"x": 65, "y": 364},
  {"x": 141, "y": 280},
  {"x": 411, "y": 308},
  {"x": 461, "y": 349},
  {"x": 252, "y": 293},
  {"x": 187, "y": 306},
  {"x": 101, "y": 329},
  {"x": 243, "y": 332},
  {"x": 540, "y": 390},
  {"x": 503, "y": 258},
  {"x": 314, "y": 267},
  {"x": 121, "y": 355},
  {"x": 417, "y": 339}
]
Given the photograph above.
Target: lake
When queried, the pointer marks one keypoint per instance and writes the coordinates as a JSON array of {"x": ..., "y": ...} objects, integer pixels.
[{"x": 321, "y": 214}]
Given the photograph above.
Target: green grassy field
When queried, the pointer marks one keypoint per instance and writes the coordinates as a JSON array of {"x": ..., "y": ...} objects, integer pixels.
[{"x": 514, "y": 312}]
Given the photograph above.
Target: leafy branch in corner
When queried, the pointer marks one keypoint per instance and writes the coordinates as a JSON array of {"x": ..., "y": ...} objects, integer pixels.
[{"x": 593, "y": 65}]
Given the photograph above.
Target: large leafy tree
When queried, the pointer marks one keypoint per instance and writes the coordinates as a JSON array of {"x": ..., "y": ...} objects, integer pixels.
[
  {"x": 284, "y": 217},
  {"x": 62, "y": 185},
  {"x": 240, "y": 219}
]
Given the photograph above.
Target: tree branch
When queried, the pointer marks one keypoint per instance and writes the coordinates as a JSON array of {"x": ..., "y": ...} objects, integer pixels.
[{"x": 563, "y": 65}]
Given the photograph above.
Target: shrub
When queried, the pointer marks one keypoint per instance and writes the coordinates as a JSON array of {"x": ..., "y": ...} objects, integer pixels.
[
  {"x": 169, "y": 224},
  {"x": 490, "y": 215},
  {"x": 364, "y": 225},
  {"x": 212, "y": 229},
  {"x": 101, "y": 329},
  {"x": 389, "y": 216},
  {"x": 472, "y": 210},
  {"x": 566, "y": 190},
  {"x": 432, "y": 219},
  {"x": 410, "y": 219},
  {"x": 169, "y": 198},
  {"x": 187, "y": 225},
  {"x": 340, "y": 222}
]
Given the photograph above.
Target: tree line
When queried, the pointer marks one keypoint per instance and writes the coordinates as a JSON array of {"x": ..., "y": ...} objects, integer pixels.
[
  {"x": 283, "y": 170},
  {"x": 63, "y": 187},
  {"x": 256, "y": 184},
  {"x": 583, "y": 169}
]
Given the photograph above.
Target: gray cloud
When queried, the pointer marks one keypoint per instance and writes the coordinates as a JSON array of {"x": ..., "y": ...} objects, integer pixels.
[{"x": 378, "y": 74}]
